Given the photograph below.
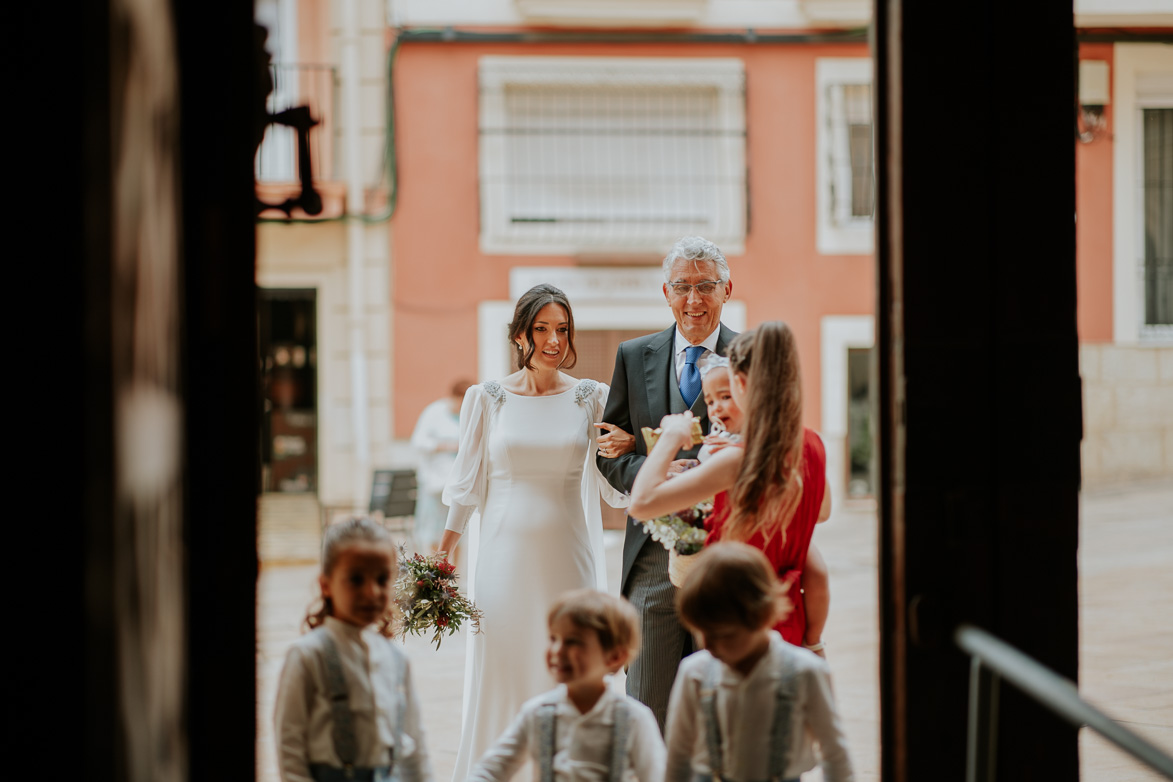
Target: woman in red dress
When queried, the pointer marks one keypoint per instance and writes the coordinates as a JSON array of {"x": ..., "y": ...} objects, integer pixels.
[{"x": 770, "y": 491}]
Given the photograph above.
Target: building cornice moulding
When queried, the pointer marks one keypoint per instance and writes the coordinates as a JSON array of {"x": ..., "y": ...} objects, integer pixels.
[
  {"x": 837, "y": 13},
  {"x": 613, "y": 13}
]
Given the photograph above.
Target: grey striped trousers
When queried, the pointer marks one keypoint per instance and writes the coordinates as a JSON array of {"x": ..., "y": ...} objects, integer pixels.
[{"x": 664, "y": 641}]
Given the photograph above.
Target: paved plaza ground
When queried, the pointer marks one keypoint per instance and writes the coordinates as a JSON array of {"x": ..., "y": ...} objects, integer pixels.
[{"x": 1126, "y": 652}]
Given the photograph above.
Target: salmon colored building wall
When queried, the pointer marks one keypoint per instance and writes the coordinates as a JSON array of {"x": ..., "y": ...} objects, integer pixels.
[
  {"x": 440, "y": 274},
  {"x": 1093, "y": 227}
]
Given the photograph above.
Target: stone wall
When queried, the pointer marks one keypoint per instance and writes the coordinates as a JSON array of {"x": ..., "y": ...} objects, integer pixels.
[{"x": 1127, "y": 413}]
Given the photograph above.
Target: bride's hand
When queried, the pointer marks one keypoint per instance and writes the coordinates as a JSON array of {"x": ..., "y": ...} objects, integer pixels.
[
  {"x": 677, "y": 429},
  {"x": 615, "y": 442}
]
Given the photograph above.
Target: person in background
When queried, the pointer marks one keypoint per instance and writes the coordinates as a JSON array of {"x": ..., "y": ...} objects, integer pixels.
[{"x": 436, "y": 436}]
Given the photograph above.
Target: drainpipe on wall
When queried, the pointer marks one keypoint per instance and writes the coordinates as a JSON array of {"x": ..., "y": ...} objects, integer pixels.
[{"x": 355, "y": 251}]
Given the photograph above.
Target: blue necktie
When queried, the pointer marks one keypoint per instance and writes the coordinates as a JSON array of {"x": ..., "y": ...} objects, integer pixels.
[{"x": 690, "y": 376}]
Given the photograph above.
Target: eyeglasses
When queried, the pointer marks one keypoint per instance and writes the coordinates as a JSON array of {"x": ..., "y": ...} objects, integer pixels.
[{"x": 704, "y": 287}]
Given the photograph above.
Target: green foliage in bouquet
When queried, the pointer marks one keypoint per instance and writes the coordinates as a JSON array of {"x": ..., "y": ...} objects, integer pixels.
[
  {"x": 428, "y": 598},
  {"x": 683, "y": 530}
]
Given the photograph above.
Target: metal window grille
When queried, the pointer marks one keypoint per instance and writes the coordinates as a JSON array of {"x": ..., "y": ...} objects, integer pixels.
[
  {"x": 624, "y": 164},
  {"x": 1158, "y": 219}
]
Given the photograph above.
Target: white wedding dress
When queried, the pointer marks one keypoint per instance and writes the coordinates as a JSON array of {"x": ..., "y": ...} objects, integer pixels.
[{"x": 527, "y": 463}]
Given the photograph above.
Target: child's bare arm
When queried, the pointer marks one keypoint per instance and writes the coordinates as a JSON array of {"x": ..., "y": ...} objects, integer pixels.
[
  {"x": 653, "y": 494},
  {"x": 816, "y": 597}
]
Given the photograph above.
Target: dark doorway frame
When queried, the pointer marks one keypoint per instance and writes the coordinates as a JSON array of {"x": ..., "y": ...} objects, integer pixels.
[
  {"x": 961, "y": 538},
  {"x": 975, "y": 316}
]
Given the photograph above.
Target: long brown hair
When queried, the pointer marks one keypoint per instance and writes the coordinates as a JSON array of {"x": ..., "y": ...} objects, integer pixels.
[
  {"x": 769, "y": 485},
  {"x": 524, "y": 315}
]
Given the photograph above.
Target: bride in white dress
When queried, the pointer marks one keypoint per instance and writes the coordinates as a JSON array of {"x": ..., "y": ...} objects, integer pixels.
[{"x": 526, "y": 462}]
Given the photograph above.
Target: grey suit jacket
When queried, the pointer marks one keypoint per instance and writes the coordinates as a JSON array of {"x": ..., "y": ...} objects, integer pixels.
[{"x": 641, "y": 389}]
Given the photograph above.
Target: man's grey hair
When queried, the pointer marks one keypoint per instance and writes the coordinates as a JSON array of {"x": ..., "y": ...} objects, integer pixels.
[{"x": 696, "y": 249}]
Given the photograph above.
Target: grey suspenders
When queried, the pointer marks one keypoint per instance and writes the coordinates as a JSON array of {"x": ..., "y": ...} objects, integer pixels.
[
  {"x": 345, "y": 744},
  {"x": 621, "y": 714},
  {"x": 784, "y": 700},
  {"x": 547, "y": 741}
]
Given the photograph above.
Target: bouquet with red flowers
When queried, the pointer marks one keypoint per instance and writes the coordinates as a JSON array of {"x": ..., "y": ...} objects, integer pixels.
[{"x": 428, "y": 598}]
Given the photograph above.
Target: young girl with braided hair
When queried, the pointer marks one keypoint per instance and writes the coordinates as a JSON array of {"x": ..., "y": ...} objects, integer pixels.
[{"x": 346, "y": 708}]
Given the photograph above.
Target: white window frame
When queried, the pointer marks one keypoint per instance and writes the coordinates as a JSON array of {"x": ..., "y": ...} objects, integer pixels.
[
  {"x": 275, "y": 160},
  {"x": 1142, "y": 79},
  {"x": 837, "y": 335},
  {"x": 857, "y": 237},
  {"x": 727, "y": 75}
]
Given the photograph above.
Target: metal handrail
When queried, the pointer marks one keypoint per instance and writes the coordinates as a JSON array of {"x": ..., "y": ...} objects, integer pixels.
[{"x": 994, "y": 659}]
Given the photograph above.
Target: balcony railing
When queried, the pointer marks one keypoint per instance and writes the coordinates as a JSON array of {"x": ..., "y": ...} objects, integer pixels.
[{"x": 299, "y": 85}]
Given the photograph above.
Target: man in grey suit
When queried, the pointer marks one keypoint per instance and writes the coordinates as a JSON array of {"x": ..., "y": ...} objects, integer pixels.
[{"x": 654, "y": 376}]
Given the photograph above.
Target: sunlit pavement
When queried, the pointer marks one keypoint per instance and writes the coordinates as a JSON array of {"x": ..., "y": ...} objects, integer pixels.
[{"x": 1126, "y": 547}]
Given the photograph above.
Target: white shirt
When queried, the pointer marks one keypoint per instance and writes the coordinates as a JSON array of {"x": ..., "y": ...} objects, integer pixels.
[
  {"x": 370, "y": 665},
  {"x": 709, "y": 344},
  {"x": 582, "y": 742},
  {"x": 745, "y": 712},
  {"x": 437, "y": 424}
]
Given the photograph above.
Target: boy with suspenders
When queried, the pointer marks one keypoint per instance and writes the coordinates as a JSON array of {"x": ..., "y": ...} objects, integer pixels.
[{"x": 584, "y": 730}]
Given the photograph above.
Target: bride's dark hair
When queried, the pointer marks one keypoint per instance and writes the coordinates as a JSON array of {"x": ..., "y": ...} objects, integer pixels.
[
  {"x": 769, "y": 484},
  {"x": 524, "y": 315}
]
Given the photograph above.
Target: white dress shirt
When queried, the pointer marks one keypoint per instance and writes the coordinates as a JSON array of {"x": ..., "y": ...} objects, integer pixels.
[
  {"x": 745, "y": 712},
  {"x": 437, "y": 425},
  {"x": 582, "y": 742},
  {"x": 710, "y": 346},
  {"x": 371, "y": 666}
]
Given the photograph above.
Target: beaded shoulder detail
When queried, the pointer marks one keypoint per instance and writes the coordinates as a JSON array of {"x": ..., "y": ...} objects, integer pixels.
[
  {"x": 494, "y": 390},
  {"x": 585, "y": 390}
]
